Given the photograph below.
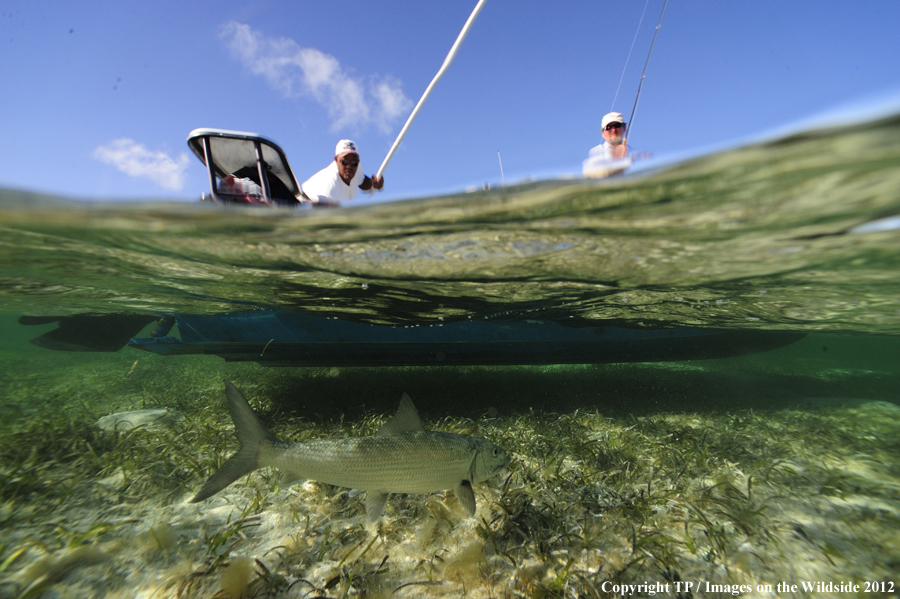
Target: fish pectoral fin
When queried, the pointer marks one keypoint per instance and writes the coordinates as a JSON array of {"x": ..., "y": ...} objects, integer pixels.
[
  {"x": 375, "y": 504},
  {"x": 466, "y": 496}
]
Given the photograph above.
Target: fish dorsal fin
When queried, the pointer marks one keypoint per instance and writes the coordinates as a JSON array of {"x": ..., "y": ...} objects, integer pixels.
[{"x": 404, "y": 421}]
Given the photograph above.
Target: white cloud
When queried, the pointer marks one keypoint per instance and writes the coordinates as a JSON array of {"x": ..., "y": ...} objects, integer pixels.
[
  {"x": 306, "y": 72},
  {"x": 135, "y": 160}
]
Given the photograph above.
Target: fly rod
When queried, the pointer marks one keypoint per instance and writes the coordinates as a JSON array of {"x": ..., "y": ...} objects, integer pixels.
[
  {"x": 440, "y": 73},
  {"x": 644, "y": 72},
  {"x": 628, "y": 58}
]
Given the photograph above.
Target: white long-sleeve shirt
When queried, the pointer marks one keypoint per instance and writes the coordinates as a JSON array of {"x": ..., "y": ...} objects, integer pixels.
[{"x": 327, "y": 185}]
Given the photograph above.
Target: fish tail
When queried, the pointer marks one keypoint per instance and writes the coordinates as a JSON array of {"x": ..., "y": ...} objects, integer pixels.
[{"x": 250, "y": 432}]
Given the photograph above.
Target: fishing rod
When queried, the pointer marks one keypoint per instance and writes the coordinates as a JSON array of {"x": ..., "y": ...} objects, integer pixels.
[
  {"x": 628, "y": 58},
  {"x": 644, "y": 72},
  {"x": 450, "y": 56}
]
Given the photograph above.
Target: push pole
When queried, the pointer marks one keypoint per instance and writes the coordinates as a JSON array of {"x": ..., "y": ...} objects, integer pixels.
[{"x": 440, "y": 73}]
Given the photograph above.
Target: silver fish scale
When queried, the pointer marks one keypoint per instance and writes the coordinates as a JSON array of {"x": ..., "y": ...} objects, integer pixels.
[{"x": 409, "y": 462}]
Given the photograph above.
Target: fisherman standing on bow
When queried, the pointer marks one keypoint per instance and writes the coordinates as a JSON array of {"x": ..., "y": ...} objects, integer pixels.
[
  {"x": 610, "y": 157},
  {"x": 612, "y": 128},
  {"x": 339, "y": 180}
]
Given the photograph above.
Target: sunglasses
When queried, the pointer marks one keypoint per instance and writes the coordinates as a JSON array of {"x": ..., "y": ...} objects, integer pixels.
[
  {"x": 612, "y": 126},
  {"x": 349, "y": 162}
]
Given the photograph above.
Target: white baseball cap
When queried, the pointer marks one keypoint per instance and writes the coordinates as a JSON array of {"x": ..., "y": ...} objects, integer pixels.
[
  {"x": 344, "y": 146},
  {"x": 612, "y": 117}
]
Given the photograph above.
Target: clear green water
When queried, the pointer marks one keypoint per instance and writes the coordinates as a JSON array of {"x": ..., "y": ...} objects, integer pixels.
[
  {"x": 756, "y": 237},
  {"x": 773, "y": 467}
]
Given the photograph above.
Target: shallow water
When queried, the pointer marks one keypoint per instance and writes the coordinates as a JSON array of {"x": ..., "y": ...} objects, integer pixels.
[
  {"x": 771, "y": 236},
  {"x": 773, "y": 467}
]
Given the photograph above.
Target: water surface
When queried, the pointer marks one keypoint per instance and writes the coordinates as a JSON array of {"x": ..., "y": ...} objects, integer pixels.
[{"x": 777, "y": 466}]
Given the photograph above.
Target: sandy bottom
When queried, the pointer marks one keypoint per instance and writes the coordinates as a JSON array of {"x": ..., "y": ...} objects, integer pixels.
[{"x": 596, "y": 499}]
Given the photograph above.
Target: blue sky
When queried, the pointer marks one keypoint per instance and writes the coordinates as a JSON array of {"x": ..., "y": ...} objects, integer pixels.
[{"x": 98, "y": 97}]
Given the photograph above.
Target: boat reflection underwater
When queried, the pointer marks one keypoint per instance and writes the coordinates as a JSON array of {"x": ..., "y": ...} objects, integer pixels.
[{"x": 279, "y": 338}]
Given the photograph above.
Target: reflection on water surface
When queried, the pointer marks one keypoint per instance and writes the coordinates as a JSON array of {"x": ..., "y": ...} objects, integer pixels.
[
  {"x": 760, "y": 237},
  {"x": 773, "y": 467}
]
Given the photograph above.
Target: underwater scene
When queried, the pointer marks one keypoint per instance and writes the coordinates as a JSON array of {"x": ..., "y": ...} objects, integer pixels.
[{"x": 680, "y": 383}]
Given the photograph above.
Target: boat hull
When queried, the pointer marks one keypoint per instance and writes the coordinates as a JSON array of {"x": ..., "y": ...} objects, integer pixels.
[{"x": 295, "y": 339}]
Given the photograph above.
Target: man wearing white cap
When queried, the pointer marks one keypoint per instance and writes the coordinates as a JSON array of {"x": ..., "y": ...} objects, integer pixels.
[
  {"x": 612, "y": 150},
  {"x": 339, "y": 180}
]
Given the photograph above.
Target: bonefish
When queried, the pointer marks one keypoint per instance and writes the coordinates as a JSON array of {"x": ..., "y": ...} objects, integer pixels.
[{"x": 401, "y": 458}]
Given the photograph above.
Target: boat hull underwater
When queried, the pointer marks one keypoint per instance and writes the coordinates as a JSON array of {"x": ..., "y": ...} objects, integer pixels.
[{"x": 275, "y": 338}]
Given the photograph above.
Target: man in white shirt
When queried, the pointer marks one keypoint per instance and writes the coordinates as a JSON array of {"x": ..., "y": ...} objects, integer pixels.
[
  {"x": 610, "y": 157},
  {"x": 339, "y": 180}
]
